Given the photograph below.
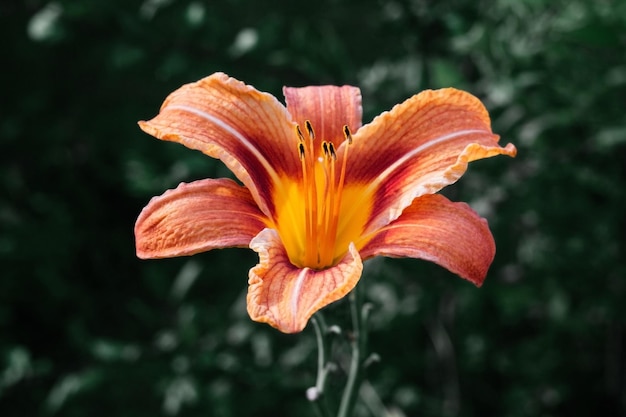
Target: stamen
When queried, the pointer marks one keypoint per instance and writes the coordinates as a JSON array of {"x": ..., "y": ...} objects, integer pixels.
[
  {"x": 329, "y": 203},
  {"x": 309, "y": 226},
  {"x": 331, "y": 150},
  {"x": 301, "y": 151},
  {"x": 337, "y": 190},
  {"x": 325, "y": 148},
  {"x": 312, "y": 186},
  {"x": 347, "y": 134},
  {"x": 322, "y": 189},
  {"x": 309, "y": 129}
]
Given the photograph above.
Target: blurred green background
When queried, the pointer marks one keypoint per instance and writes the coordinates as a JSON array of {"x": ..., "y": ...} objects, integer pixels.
[{"x": 88, "y": 329}]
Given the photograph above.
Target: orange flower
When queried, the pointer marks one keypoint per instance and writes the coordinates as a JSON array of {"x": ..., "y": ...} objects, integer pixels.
[{"x": 320, "y": 193}]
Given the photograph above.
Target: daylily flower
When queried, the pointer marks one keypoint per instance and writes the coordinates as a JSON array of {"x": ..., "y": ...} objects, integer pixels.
[{"x": 320, "y": 192}]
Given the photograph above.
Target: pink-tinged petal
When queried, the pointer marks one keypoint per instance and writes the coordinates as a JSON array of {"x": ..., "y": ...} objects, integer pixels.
[
  {"x": 329, "y": 108},
  {"x": 435, "y": 229},
  {"x": 197, "y": 217},
  {"x": 250, "y": 131},
  {"x": 286, "y": 296},
  {"x": 419, "y": 147}
]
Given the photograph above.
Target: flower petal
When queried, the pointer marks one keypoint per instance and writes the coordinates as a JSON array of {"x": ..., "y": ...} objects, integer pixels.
[
  {"x": 329, "y": 108},
  {"x": 197, "y": 217},
  {"x": 433, "y": 228},
  {"x": 286, "y": 296},
  {"x": 419, "y": 147},
  {"x": 250, "y": 131}
]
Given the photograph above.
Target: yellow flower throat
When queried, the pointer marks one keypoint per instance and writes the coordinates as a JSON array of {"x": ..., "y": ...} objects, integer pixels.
[{"x": 317, "y": 215}]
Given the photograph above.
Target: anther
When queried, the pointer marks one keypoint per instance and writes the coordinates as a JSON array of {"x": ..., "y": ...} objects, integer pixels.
[
  {"x": 347, "y": 134},
  {"x": 309, "y": 129},
  {"x": 325, "y": 148},
  {"x": 331, "y": 151},
  {"x": 301, "y": 150}
]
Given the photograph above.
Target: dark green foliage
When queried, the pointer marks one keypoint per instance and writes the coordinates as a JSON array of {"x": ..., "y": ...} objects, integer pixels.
[{"x": 87, "y": 329}]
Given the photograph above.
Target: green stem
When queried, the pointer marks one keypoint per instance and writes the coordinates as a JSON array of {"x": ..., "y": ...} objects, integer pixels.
[
  {"x": 358, "y": 342},
  {"x": 321, "y": 330}
]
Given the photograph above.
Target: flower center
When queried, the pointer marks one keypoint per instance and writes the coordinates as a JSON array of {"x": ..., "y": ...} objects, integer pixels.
[{"x": 315, "y": 220}]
